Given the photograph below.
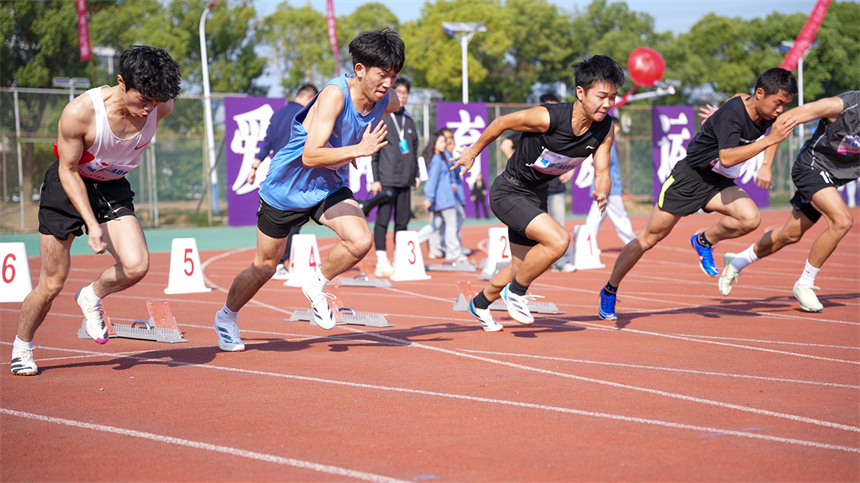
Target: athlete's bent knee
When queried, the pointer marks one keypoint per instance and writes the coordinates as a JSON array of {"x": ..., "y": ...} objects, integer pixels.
[{"x": 842, "y": 224}]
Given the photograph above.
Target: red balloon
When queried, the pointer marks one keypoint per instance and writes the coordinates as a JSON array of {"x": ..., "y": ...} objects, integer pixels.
[{"x": 646, "y": 66}]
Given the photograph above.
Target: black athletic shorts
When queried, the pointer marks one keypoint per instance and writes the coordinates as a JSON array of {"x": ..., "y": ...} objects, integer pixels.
[
  {"x": 516, "y": 205},
  {"x": 59, "y": 217},
  {"x": 276, "y": 223},
  {"x": 810, "y": 180},
  {"x": 689, "y": 190}
]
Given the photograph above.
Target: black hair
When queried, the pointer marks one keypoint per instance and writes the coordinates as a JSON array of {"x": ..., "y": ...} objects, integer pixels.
[
  {"x": 151, "y": 71},
  {"x": 381, "y": 48},
  {"x": 776, "y": 79},
  {"x": 307, "y": 88},
  {"x": 429, "y": 149},
  {"x": 402, "y": 81},
  {"x": 549, "y": 97},
  {"x": 598, "y": 68}
]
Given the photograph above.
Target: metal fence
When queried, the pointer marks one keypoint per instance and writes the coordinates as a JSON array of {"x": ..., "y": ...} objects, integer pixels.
[{"x": 172, "y": 185}]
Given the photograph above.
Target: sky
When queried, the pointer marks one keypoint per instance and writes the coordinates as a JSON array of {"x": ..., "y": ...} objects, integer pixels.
[{"x": 676, "y": 16}]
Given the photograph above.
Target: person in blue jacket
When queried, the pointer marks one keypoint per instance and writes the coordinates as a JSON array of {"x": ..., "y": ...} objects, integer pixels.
[{"x": 439, "y": 198}]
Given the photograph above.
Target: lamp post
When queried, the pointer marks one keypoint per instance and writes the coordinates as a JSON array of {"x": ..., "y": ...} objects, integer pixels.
[
  {"x": 464, "y": 33},
  {"x": 71, "y": 83},
  {"x": 207, "y": 106},
  {"x": 788, "y": 44}
]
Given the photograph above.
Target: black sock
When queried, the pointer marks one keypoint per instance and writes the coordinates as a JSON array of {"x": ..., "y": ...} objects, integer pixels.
[
  {"x": 703, "y": 241},
  {"x": 481, "y": 301},
  {"x": 610, "y": 289},
  {"x": 518, "y": 289}
]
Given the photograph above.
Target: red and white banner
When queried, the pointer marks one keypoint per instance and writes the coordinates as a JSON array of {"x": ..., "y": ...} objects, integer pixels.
[
  {"x": 83, "y": 31},
  {"x": 806, "y": 36},
  {"x": 331, "y": 23}
]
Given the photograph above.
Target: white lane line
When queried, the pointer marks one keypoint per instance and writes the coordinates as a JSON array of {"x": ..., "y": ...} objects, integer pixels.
[
  {"x": 659, "y": 368},
  {"x": 609, "y": 416},
  {"x": 305, "y": 465}
]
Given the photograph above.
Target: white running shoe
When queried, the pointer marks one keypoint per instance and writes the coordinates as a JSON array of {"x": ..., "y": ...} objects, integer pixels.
[
  {"x": 729, "y": 275},
  {"x": 566, "y": 268},
  {"x": 384, "y": 268},
  {"x": 96, "y": 327},
  {"x": 23, "y": 363},
  {"x": 805, "y": 294},
  {"x": 281, "y": 273},
  {"x": 518, "y": 307},
  {"x": 323, "y": 315},
  {"x": 229, "y": 339},
  {"x": 487, "y": 322}
]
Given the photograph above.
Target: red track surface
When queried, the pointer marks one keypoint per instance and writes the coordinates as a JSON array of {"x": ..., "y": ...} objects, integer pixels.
[{"x": 689, "y": 385}]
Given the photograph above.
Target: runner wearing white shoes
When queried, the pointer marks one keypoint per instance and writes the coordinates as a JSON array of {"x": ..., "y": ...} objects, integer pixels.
[
  {"x": 704, "y": 179},
  {"x": 828, "y": 160},
  {"x": 556, "y": 139},
  {"x": 308, "y": 178},
  {"x": 101, "y": 138}
]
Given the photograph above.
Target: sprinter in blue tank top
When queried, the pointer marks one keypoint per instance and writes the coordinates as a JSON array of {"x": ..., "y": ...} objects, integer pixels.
[{"x": 308, "y": 178}]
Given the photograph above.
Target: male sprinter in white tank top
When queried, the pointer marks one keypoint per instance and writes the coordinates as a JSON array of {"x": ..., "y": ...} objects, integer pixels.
[
  {"x": 308, "y": 178},
  {"x": 102, "y": 136}
]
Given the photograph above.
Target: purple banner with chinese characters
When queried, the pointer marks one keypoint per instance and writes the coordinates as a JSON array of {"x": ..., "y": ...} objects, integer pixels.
[
  {"x": 580, "y": 188},
  {"x": 673, "y": 129},
  {"x": 467, "y": 122},
  {"x": 245, "y": 122}
]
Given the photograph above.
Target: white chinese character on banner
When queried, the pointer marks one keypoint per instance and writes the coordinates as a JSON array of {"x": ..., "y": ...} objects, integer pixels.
[
  {"x": 364, "y": 168},
  {"x": 585, "y": 175},
  {"x": 250, "y": 132},
  {"x": 466, "y": 132},
  {"x": 671, "y": 149}
]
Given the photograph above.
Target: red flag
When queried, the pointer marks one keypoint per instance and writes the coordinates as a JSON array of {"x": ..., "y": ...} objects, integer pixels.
[
  {"x": 83, "y": 31},
  {"x": 806, "y": 36},
  {"x": 331, "y": 23}
]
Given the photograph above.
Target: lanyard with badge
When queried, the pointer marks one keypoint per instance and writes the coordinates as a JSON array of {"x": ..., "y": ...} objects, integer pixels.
[{"x": 403, "y": 143}]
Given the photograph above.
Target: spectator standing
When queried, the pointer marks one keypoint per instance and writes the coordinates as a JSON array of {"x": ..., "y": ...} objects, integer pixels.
[{"x": 395, "y": 169}]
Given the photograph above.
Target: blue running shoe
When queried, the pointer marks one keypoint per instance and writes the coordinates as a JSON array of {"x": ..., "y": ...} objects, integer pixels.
[
  {"x": 607, "y": 306},
  {"x": 706, "y": 257}
]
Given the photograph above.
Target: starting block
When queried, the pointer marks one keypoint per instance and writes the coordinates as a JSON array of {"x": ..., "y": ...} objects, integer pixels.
[
  {"x": 467, "y": 293},
  {"x": 161, "y": 326},
  {"x": 451, "y": 267},
  {"x": 363, "y": 279},
  {"x": 343, "y": 315}
]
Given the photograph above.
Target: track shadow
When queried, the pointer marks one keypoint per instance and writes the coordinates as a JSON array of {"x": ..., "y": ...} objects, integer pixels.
[
  {"x": 751, "y": 308},
  {"x": 166, "y": 356}
]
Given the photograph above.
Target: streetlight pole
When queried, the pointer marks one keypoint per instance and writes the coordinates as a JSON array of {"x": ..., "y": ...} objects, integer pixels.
[
  {"x": 789, "y": 44},
  {"x": 464, "y": 33},
  {"x": 207, "y": 106}
]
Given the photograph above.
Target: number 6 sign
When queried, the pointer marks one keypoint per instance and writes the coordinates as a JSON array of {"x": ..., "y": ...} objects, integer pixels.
[
  {"x": 15, "y": 282},
  {"x": 186, "y": 274}
]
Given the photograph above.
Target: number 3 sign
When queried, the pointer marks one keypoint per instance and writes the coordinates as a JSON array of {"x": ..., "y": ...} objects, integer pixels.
[{"x": 15, "y": 282}]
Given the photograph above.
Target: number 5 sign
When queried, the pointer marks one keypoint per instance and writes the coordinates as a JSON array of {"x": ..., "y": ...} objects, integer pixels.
[
  {"x": 15, "y": 281},
  {"x": 186, "y": 274}
]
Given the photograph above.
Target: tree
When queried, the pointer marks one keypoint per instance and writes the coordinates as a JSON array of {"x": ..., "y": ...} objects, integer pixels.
[{"x": 298, "y": 45}]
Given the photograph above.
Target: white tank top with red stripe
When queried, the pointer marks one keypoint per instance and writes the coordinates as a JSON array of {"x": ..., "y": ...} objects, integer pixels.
[{"x": 111, "y": 157}]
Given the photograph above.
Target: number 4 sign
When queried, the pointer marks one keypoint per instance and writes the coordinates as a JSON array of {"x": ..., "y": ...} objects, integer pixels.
[
  {"x": 15, "y": 282},
  {"x": 186, "y": 274}
]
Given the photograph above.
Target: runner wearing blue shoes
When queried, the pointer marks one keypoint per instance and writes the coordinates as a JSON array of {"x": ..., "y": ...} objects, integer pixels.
[
  {"x": 556, "y": 139},
  {"x": 704, "y": 179}
]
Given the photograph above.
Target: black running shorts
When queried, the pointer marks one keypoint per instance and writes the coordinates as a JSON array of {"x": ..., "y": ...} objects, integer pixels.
[
  {"x": 276, "y": 223},
  {"x": 688, "y": 190},
  {"x": 810, "y": 180},
  {"x": 516, "y": 205},
  {"x": 59, "y": 217}
]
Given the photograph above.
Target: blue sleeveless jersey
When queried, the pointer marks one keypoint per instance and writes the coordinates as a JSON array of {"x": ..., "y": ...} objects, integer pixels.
[{"x": 290, "y": 185}]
